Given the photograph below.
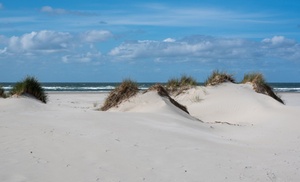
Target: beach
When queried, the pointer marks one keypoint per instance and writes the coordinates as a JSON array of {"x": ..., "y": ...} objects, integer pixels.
[{"x": 231, "y": 133}]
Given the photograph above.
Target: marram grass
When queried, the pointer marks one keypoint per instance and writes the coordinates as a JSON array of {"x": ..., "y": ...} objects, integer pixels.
[
  {"x": 253, "y": 77},
  {"x": 260, "y": 85},
  {"x": 2, "y": 93},
  {"x": 180, "y": 84},
  {"x": 164, "y": 93},
  {"x": 125, "y": 90},
  {"x": 31, "y": 86},
  {"x": 218, "y": 77}
]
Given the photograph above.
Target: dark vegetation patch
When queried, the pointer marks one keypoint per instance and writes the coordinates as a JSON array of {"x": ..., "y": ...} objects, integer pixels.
[
  {"x": 30, "y": 86},
  {"x": 124, "y": 91},
  {"x": 176, "y": 86},
  {"x": 260, "y": 85},
  {"x": 164, "y": 93},
  {"x": 218, "y": 77},
  {"x": 2, "y": 92}
]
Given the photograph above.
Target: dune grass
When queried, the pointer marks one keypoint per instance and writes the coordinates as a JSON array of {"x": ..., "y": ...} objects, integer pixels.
[
  {"x": 218, "y": 77},
  {"x": 260, "y": 85},
  {"x": 164, "y": 93},
  {"x": 125, "y": 90},
  {"x": 2, "y": 92},
  {"x": 253, "y": 77},
  {"x": 179, "y": 84},
  {"x": 31, "y": 86}
]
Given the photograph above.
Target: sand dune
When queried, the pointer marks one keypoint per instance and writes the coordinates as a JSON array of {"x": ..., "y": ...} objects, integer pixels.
[{"x": 243, "y": 136}]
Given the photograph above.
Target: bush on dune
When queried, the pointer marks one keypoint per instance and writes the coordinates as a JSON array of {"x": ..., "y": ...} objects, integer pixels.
[
  {"x": 260, "y": 85},
  {"x": 218, "y": 77},
  {"x": 31, "y": 86},
  {"x": 179, "y": 85},
  {"x": 125, "y": 90}
]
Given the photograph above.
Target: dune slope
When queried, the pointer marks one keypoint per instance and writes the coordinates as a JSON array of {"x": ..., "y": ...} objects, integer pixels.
[{"x": 68, "y": 139}]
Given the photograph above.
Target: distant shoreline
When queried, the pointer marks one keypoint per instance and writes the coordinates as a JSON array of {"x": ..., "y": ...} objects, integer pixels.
[{"x": 107, "y": 87}]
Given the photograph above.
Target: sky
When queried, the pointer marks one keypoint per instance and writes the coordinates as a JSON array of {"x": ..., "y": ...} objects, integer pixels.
[{"x": 148, "y": 41}]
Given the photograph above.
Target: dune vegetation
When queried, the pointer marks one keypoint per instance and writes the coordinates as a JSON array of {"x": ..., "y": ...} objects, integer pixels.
[
  {"x": 2, "y": 92},
  {"x": 218, "y": 77},
  {"x": 178, "y": 85},
  {"x": 260, "y": 85},
  {"x": 30, "y": 86},
  {"x": 164, "y": 93},
  {"x": 125, "y": 90}
]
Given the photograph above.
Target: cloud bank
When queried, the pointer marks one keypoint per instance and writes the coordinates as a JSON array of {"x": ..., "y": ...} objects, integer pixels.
[
  {"x": 206, "y": 48},
  {"x": 84, "y": 47},
  {"x": 96, "y": 35},
  {"x": 48, "y": 41}
]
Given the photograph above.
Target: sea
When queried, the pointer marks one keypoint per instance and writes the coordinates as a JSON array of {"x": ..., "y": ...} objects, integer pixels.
[{"x": 107, "y": 87}]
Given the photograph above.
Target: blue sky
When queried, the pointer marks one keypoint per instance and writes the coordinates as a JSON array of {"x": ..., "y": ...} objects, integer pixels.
[{"x": 148, "y": 41}]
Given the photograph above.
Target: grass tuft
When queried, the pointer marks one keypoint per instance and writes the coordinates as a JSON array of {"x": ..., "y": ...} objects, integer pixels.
[
  {"x": 253, "y": 77},
  {"x": 2, "y": 92},
  {"x": 125, "y": 90},
  {"x": 260, "y": 85},
  {"x": 179, "y": 85},
  {"x": 218, "y": 77},
  {"x": 31, "y": 86},
  {"x": 164, "y": 93}
]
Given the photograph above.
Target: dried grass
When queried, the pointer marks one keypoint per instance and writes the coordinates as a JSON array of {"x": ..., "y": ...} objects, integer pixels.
[
  {"x": 31, "y": 86},
  {"x": 164, "y": 93},
  {"x": 218, "y": 77},
  {"x": 2, "y": 92},
  {"x": 124, "y": 91},
  {"x": 176, "y": 86},
  {"x": 260, "y": 85}
]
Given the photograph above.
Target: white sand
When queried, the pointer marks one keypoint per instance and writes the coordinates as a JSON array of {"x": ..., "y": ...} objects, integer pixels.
[{"x": 148, "y": 139}]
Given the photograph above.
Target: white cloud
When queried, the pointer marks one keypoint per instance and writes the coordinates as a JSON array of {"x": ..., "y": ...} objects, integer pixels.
[
  {"x": 169, "y": 40},
  {"x": 279, "y": 40},
  {"x": 96, "y": 36},
  {"x": 49, "y": 9},
  {"x": 208, "y": 48},
  {"x": 196, "y": 46},
  {"x": 82, "y": 48},
  {"x": 2, "y": 51},
  {"x": 60, "y": 11},
  {"x": 48, "y": 41},
  {"x": 62, "y": 46},
  {"x": 83, "y": 57}
]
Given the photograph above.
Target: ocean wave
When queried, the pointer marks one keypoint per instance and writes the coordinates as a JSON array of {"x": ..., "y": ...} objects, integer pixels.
[
  {"x": 76, "y": 88},
  {"x": 7, "y": 88},
  {"x": 106, "y": 87},
  {"x": 287, "y": 89}
]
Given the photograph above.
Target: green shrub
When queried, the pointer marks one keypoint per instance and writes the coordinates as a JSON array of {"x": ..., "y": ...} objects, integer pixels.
[
  {"x": 218, "y": 77},
  {"x": 260, "y": 85},
  {"x": 125, "y": 90},
  {"x": 31, "y": 86}
]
